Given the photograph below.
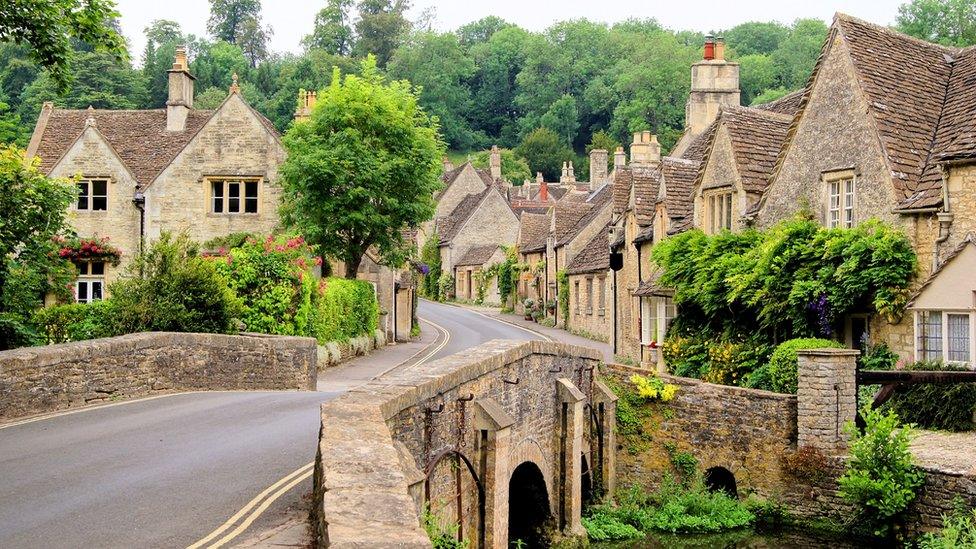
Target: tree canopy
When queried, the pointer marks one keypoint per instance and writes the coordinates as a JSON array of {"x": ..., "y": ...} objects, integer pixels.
[
  {"x": 949, "y": 22},
  {"x": 362, "y": 168}
]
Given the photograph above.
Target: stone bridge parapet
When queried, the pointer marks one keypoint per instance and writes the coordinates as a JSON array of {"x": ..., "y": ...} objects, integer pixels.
[{"x": 449, "y": 435}]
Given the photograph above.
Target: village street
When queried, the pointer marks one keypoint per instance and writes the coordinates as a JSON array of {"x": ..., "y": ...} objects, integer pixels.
[{"x": 168, "y": 471}]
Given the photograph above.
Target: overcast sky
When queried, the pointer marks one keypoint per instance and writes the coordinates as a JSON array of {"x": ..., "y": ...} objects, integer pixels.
[{"x": 292, "y": 19}]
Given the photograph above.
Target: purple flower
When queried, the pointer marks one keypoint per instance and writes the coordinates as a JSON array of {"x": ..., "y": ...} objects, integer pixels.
[{"x": 821, "y": 308}]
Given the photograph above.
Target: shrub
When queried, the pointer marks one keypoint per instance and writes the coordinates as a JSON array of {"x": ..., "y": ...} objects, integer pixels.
[
  {"x": 604, "y": 523},
  {"x": 345, "y": 309},
  {"x": 946, "y": 407},
  {"x": 651, "y": 388},
  {"x": 441, "y": 537},
  {"x": 958, "y": 532},
  {"x": 445, "y": 285},
  {"x": 178, "y": 291},
  {"x": 877, "y": 357},
  {"x": 880, "y": 476},
  {"x": 782, "y": 363},
  {"x": 686, "y": 356},
  {"x": 77, "y": 321},
  {"x": 695, "y": 509},
  {"x": 430, "y": 255},
  {"x": 562, "y": 279}
]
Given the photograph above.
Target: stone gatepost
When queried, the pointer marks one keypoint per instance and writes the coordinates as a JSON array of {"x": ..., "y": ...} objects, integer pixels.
[
  {"x": 569, "y": 497},
  {"x": 605, "y": 453},
  {"x": 826, "y": 397},
  {"x": 493, "y": 425}
]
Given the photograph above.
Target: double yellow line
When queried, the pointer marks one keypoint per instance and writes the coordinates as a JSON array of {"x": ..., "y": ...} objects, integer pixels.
[{"x": 260, "y": 503}]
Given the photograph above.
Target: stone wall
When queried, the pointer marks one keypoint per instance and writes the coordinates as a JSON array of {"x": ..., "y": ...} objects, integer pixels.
[
  {"x": 587, "y": 315},
  {"x": 409, "y": 438},
  {"x": 44, "y": 379}
]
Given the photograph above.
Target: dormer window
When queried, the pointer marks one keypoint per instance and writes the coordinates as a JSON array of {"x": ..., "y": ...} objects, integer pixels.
[
  {"x": 92, "y": 195},
  {"x": 234, "y": 196},
  {"x": 840, "y": 199},
  {"x": 718, "y": 212}
]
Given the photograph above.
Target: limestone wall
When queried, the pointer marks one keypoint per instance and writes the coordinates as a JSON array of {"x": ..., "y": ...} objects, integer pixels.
[{"x": 43, "y": 379}]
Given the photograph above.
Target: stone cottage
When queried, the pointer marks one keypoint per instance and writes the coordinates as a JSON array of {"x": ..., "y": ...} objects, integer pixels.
[
  {"x": 470, "y": 269},
  {"x": 209, "y": 173},
  {"x": 533, "y": 238},
  {"x": 590, "y": 300}
]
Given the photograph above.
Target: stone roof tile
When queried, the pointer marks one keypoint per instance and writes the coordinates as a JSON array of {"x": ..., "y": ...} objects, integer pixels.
[{"x": 594, "y": 257}]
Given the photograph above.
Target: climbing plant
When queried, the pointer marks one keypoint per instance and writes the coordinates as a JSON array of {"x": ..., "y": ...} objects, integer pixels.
[
  {"x": 562, "y": 279},
  {"x": 430, "y": 255}
]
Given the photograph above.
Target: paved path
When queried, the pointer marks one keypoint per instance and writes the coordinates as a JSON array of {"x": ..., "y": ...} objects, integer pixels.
[{"x": 167, "y": 471}]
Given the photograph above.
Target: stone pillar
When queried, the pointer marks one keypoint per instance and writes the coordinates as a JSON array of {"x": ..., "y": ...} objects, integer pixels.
[
  {"x": 569, "y": 471},
  {"x": 494, "y": 445},
  {"x": 605, "y": 452},
  {"x": 826, "y": 397},
  {"x": 598, "y": 168}
]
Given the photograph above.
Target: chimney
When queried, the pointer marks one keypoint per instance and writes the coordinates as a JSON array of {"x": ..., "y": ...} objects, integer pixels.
[
  {"x": 544, "y": 191},
  {"x": 719, "y": 49},
  {"x": 180, "y": 99},
  {"x": 538, "y": 177},
  {"x": 619, "y": 158},
  {"x": 448, "y": 165},
  {"x": 495, "y": 163},
  {"x": 306, "y": 102},
  {"x": 714, "y": 83},
  {"x": 563, "y": 176},
  {"x": 645, "y": 150},
  {"x": 709, "y": 48},
  {"x": 571, "y": 175},
  {"x": 598, "y": 168}
]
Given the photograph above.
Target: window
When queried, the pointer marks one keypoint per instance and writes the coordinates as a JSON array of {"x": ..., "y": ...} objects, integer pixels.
[
  {"x": 945, "y": 336},
  {"x": 718, "y": 212},
  {"x": 234, "y": 196},
  {"x": 576, "y": 305},
  {"x": 93, "y": 195},
  {"x": 840, "y": 205},
  {"x": 91, "y": 281},
  {"x": 657, "y": 314},
  {"x": 602, "y": 285},
  {"x": 589, "y": 295}
]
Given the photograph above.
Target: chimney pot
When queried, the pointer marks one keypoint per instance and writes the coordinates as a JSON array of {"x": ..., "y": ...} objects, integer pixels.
[
  {"x": 180, "y": 99},
  {"x": 709, "y": 48},
  {"x": 495, "y": 163},
  {"x": 544, "y": 191},
  {"x": 720, "y": 49}
]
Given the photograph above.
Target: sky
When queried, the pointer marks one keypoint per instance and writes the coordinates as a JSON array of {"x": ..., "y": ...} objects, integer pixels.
[{"x": 293, "y": 19}]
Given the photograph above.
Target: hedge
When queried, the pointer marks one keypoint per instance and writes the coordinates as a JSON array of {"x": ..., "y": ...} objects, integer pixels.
[
  {"x": 783, "y": 362},
  {"x": 346, "y": 309}
]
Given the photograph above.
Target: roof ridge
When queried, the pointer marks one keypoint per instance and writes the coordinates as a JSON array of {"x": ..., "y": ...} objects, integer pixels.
[
  {"x": 894, "y": 33},
  {"x": 755, "y": 110}
]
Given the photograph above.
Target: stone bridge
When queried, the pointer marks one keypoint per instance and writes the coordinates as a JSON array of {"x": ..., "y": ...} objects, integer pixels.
[{"x": 501, "y": 442}]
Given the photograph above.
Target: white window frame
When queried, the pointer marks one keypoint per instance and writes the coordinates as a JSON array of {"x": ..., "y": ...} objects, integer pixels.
[
  {"x": 576, "y": 307},
  {"x": 918, "y": 314},
  {"x": 89, "y": 282},
  {"x": 88, "y": 192},
  {"x": 657, "y": 312},
  {"x": 841, "y": 193},
  {"x": 221, "y": 200},
  {"x": 718, "y": 210}
]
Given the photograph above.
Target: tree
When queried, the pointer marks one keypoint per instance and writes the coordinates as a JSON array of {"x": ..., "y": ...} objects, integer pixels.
[
  {"x": 100, "y": 82},
  {"x": 49, "y": 26},
  {"x": 253, "y": 40},
  {"x": 545, "y": 152},
  {"x": 514, "y": 167},
  {"x": 12, "y": 132},
  {"x": 481, "y": 31},
  {"x": 209, "y": 99},
  {"x": 605, "y": 141},
  {"x": 562, "y": 118},
  {"x": 381, "y": 27},
  {"x": 215, "y": 64},
  {"x": 333, "y": 29},
  {"x": 757, "y": 74},
  {"x": 949, "y": 22},
  {"x": 797, "y": 54},
  {"x": 227, "y": 18},
  {"x": 162, "y": 38},
  {"x": 34, "y": 212},
  {"x": 754, "y": 37},
  {"x": 493, "y": 85},
  {"x": 362, "y": 168}
]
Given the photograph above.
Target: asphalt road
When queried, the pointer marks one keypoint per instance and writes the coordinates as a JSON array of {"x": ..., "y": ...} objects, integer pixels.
[{"x": 167, "y": 471}]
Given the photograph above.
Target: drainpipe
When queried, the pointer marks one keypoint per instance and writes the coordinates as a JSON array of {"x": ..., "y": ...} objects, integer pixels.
[
  {"x": 396, "y": 290},
  {"x": 614, "y": 323},
  {"x": 139, "y": 200},
  {"x": 640, "y": 309}
]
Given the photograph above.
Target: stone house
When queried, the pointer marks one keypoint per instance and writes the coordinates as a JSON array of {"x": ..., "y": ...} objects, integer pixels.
[
  {"x": 885, "y": 131},
  {"x": 564, "y": 218},
  {"x": 532, "y": 242},
  {"x": 590, "y": 299},
  {"x": 468, "y": 271},
  {"x": 142, "y": 172}
]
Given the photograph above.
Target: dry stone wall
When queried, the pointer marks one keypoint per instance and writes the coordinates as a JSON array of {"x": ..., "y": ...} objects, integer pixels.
[{"x": 44, "y": 379}]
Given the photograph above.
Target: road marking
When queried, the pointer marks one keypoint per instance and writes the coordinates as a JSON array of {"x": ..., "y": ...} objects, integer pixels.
[
  {"x": 263, "y": 500},
  {"x": 503, "y": 321}
]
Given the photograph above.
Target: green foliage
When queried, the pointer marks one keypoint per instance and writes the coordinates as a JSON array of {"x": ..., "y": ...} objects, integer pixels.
[
  {"x": 333, "y": 29},
  {"x": 238, "y": 22},
  {"x": 77, "y": 321},
  {"x": 783, "y": 362},
  {"x": 562, "y": 280},
  {"x": 958, "y": 532},
  {"x": 514, "y": 167},
  {"x": 445, "y": 286},
  {"x": 604, "y": 524},
  {"x": 49, "y": 27},
  {"x": 380, "y": 28},
  {"x": 948, "y": 407},
  {"x": 171, "y": 288},
  {"x": 796, "y": 279},
  {"x": 365, "y": 165},
  {"x": 877, "y": 357},
  {"x": 34, "y": 208},
  {"x": 772, "y": 94},
  {"x": 880, "y": 477},
  {"x": 948, "y": 22},
  {"x": 98, "y": 80},
  {"x": 441, "y": 536},
  {"x": 430, "y": 255},
  {"x": 545, "y": 152},
  {"x": 344, "y": 309},
  {"x": 508, "y": 276},
  {"x": 685, "y": 464},
  {"x": 717, "y": 360}
]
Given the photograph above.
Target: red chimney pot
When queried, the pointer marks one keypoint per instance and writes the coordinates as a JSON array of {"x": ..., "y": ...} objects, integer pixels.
[
  {"x": 709, "y": 48},
  {"x": 544, "y": 192}
]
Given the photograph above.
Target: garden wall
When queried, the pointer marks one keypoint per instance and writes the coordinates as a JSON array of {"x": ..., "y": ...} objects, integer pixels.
[{"x": 43, "y": 379}]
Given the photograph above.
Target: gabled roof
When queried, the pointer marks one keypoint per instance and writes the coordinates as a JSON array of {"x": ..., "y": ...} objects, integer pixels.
[
  {"x": 789, "y": 104},
  {"x": 533, "y": 232},
  {"x": 696, "y": 149},
  {"x": 573, "y": 195},
  {"x": 450, "y": 226},
  {"x": 679, "y": 180},
  {"x": 957, "y": 130},
  {"x": 757, "y": 137},
  {"x": 594, "y": 257},
  {"x": 478, "y": 255},
  {"x": 652, "y": 286},
  {"x": 597, "y": 201},
  {"x": 623, "y": 179},
  {"x": 138, "y": 137},
  {"x": 969, "y": 240},
  {"x": 451, "y": 176},
  {"x": 646, "y": 182},
  {"x": 567, "y": 215}
]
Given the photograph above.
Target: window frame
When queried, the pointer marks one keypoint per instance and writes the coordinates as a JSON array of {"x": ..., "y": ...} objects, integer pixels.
[
  {"x": 89, "y": 194},
  {"x": 944, "y": 337},
  {"x": 602, "y": 286},
  {"x": 718, "y": 204},
  {"x": 840, "y": 185},
  {"x": 241, "y": 184},
  {"x": 589, "y": 295},
  {"x": 89, "y": 280}
]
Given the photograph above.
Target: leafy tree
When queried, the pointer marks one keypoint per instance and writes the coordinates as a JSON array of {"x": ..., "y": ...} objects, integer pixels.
[
  {"x": 562, "y": 118},
  {"x": 162, "y": 38},
  {"x": 364, "y": 166},
  {"x": 757, "y": 74},
  {"x": 100, "y": 82},
  {"x": 227, "y": 18},
  {"x": 498, "y": 62},
  {"x": 209, "y": 99},
  {"x": 439, "y": 66},
  {"x": 253, "y": 40},
  {"x": 797, "y": 54},
  {"x": 333, "y": 29},
  {"x": 754, "y": 37},
  {"x": 605, "y": 141},
  {"x": 514, "y": 167},
  {"x": 49, "y": 26},
  {"x": 380, "y": 29},
  {"x": 949, "y": 22},
  {"x": 545, "y": 152},
  {"x": 481, "y": 31},
  {"x": 12, "y": 131},
  {"x": 34, "y": 209},
  {"x": 215, "y": 64},
  {"x": 772, "y": 94}
]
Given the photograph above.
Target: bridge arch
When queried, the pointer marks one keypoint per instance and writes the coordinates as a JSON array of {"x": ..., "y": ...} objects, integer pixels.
[
  {"x": 720, "y": 479},
  {"x": 529, "y": 514}
]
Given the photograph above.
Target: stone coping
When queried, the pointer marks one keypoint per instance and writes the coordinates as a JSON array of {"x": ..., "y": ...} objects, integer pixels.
[
  {"x": 828, "y": 351},
  {"x": 694, "y": 382}
]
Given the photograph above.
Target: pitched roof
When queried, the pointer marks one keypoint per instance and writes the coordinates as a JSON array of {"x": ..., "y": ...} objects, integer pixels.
[
  {"x": 594, "y": 257},
  {"x": 138, "y": 137},
  {"x": 450, "y": 226},
  {"x": 573, "y": 195},
  {"x": 969, "y": 240},
  {"x": 757, "y": 136},
  {"x": 957, "y": 130},
  {"x": 597, "y": 201},
  {"x": 533, "y": 232},
  {"x": 696, "y": 149},
  {"x": 623, "y": 179},
  {"x": 567, "y": 215},
  {"x": 646, "y": 182},
  {"x": 451, "y": 176},
  {"x": 478, "y": 255},
  {"x": 788, "y": 104},
  {"x": 679, "y": 180},
  {"x": 651, "y": 286}
]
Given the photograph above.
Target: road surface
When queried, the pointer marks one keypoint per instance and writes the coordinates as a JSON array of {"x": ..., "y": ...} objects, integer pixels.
[{"x": 168, "y": 471}]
